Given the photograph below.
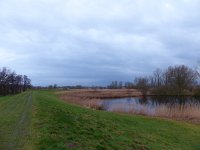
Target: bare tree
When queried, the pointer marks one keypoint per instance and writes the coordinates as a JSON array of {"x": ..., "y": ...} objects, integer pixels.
[
  {"x": 11, "y": 83},
  {"x": 175, "y": 80},
  {"x": 142, "y": 83},
  {"x": 26, "y": 83},
  {"x": 198, "y": 70},
  {"x": 157, "y": 78},
  {"x": 4, "y": 80},
  {"x": 129, "y": 85},
  {"x": 113, "y": 85},
  {"x": 120, "y": 85},
  {"x": 180, "y": 78}
]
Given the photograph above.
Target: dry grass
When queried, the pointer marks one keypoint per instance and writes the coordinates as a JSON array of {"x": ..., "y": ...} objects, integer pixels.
[
  {"x": 92, "y": 99},
  {"x": 89, "y": 103},
  {"x": 185, "y": 112},
  {"x": 179, "y": 112},
  {"x": 101, "y": 93},
  {"x": 132, "y": 109}
]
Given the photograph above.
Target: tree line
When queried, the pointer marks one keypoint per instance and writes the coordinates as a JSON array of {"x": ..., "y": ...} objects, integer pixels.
[
  {"x": 174, "y": 80},
  {"x": 12, "y": 83}
]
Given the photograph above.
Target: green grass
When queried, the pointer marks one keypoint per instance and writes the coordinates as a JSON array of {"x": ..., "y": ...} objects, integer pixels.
[
  {"x": 56, "y": 125},
  {"x": 15, "y": 118}
]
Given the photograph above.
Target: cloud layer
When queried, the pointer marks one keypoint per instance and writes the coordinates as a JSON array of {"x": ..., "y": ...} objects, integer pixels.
[{"x": 94, "y": 42}]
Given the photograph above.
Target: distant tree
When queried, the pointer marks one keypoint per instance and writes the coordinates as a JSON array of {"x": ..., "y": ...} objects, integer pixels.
[
  {"x": 50, "y": 87},
  {"x": 142, "y": 84},
  {"x": 11, "y": 83},
  {"x": 180, "y": 78},
  {"x": 120, "y": 85},
  {"x": 113, "y": 85},
  {"x": 79, "y": 87},
  {"x": 157, "y": 78},
  {"x": 26, "y": 83},
  {"x": 198, "y": 70},
  {"x": 129, "y": 85},
  {"x": 55, "y": 86},
  {"x": 12, "y": 78},
  {"x": 4, "y": 81},
  {"x": 18, "y": 84}
]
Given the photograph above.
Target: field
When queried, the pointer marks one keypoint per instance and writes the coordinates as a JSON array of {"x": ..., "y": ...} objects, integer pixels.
[
  {"x": 100, "y": 93},
  {"x": 39, "y": 120}
]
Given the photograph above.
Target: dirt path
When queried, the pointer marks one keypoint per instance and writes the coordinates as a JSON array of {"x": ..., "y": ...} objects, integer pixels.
[{"x": 15, "y": 114}]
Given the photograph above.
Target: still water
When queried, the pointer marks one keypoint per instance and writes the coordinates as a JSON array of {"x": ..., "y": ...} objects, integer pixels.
[{"x": 154, "y": 105}]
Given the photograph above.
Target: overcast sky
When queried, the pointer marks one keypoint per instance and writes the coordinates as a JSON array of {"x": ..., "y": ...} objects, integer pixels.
[{"x": 93, "y": 42}]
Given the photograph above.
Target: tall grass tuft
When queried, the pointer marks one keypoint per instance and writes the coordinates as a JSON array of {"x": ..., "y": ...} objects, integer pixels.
[
  {"x": 187, "y": 112},
  {"x": 183, "y": 111}
]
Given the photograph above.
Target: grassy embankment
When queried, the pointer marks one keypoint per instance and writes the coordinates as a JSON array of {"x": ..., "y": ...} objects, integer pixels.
[{"x": 39, "y": 120}]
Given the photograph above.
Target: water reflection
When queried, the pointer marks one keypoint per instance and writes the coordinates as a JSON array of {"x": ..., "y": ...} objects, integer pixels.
[{"x": 156, "y": 106}]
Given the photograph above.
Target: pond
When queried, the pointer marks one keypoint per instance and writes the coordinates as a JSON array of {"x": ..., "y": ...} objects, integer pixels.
[{"x": 177, "y": 107}]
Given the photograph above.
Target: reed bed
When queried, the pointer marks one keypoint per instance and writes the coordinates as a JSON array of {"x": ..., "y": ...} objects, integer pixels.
[
  {"x": 100, "y": 94},
  {"x": 89, "y": 103},
  {"x": 92, "y": 99},
  {"x": 183, "y": 111},
  {"x": 187, "y": 112}
]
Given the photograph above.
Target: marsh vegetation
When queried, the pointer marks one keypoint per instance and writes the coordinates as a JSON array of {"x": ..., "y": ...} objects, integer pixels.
[
  {"x": 132, "y": 101},
  {"x": 180, "y": 108}
]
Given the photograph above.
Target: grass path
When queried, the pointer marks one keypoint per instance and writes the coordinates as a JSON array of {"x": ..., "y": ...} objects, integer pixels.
[
  {"x": 15, "y": 114},
  {"x": 39, "y": 120}
]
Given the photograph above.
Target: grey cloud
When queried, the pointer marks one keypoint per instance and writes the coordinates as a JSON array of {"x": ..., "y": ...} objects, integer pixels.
[{"x": 95, "y": 42}]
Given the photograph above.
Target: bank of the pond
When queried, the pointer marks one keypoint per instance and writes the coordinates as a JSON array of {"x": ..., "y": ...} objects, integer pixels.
[
  {"x": 90, "y": 98},
  {"x": 177, "y": 108}
]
